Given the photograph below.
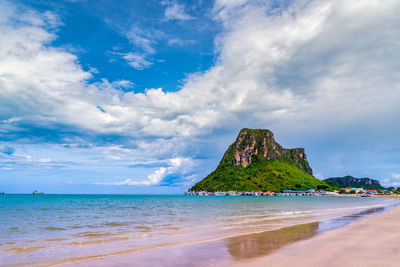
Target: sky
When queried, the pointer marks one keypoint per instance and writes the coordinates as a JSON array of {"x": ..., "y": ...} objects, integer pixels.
[{"x": 114, "y": 96}]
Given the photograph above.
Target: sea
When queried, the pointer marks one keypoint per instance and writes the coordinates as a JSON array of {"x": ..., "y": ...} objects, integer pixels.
[{"x": 63, "y": 229}]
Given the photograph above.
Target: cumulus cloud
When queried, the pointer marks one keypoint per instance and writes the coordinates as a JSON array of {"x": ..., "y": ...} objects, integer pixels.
[
  {"x": 257, "y": 54},
  {"x": 177, "y": 166},
  {"x": 313, "y": 66}
]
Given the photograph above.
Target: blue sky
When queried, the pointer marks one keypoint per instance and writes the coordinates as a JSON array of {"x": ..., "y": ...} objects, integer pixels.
[
  {"x": 145, "y": 96},
  {"x": 136, "y": 40}
]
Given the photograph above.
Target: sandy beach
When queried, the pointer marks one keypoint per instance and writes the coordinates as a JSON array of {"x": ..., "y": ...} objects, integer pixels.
[
  {"x": 180, "y": 230},
  {"x": 373, "y": 241},
  {"x": 370, "y": 241}
]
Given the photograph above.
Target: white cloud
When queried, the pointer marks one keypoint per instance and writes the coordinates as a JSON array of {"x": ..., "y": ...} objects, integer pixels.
[
  {"x": 392, "y": 184},
  {"x": 122, "y": 84},
  {"x": 177, "y": 166},
  {"x": 153, "y": 179},
  {"x": 137, "y": 60},
  {"x": 175, "y": 11},
  {"x": 393, "y": 181},
  {"x": 312, "y": 68},
  {"x": 143, "y": 42},
  {"x": 396, "y": 176},
  {"x": 255, "y": 55},
  {"x": 18, "y": 160},
  {"x": 176, "y": 41}
]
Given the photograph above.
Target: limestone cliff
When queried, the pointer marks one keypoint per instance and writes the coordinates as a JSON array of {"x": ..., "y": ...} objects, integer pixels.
[
  {"x": 255, "y": 161},
  {"x": 262, "y": 142}
]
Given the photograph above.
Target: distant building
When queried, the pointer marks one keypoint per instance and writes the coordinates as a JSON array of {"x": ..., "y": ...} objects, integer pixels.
[{"x": 358, "y": 190}]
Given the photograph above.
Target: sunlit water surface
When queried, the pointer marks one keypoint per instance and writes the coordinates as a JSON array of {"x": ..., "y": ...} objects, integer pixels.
[{"x": 52, "y": 229}]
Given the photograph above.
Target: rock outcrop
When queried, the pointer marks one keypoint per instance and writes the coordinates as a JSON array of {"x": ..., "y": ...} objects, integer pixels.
[
  {"x": 255, "y": 161},
  {"x": 262, "y": 142}
]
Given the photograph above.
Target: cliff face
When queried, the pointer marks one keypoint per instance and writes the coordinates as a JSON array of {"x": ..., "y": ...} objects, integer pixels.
[
  {"x": 255, "y": 161},
  {"x": 262, "y": 142}
]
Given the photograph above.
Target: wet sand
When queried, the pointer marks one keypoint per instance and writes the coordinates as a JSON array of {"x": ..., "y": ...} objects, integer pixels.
[
  {"x": 374, "y": 241},
  {"x": 296, "y": 245},
  {"x": 223, "y": 252}
]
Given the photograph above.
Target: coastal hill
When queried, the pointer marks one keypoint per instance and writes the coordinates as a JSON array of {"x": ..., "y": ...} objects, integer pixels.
[
  {"x": 350, "y": 181},
  {"x": 256, "y": 162}
]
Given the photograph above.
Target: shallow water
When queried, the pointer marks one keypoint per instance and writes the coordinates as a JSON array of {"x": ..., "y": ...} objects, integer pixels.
[{"x": 62, "y": 228}]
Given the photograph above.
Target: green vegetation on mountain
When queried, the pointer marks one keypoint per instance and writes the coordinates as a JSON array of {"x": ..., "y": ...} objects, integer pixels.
[
  {"x": 350, "y": 181},
  {"x": 256, "y": 162}
]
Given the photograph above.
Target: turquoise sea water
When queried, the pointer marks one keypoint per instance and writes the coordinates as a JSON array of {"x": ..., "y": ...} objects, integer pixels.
[{"x": 63, "y": 228}]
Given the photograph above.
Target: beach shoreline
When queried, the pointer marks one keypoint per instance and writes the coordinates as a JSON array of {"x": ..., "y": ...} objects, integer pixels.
[
  {"x": 371, "y": 241},
  {"x": 242, "y": 250},
  {"x": 263, "y": 235}
]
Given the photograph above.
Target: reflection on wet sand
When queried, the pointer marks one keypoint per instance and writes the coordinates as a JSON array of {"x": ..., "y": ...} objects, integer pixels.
[
  {"x": 344, "y": 220},
  {"x": 222, "y": 252},
  {"x": 261, "y": 244}
]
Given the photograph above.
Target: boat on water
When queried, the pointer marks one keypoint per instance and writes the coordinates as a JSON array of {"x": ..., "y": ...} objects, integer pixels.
[
  {"x": 1, "y": 193},
  {"x": 37, "y": 193},
  {"x": 365, "y": 196}
]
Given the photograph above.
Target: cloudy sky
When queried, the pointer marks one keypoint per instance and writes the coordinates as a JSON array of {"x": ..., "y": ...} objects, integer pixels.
[{"x": 145, "y": 96}]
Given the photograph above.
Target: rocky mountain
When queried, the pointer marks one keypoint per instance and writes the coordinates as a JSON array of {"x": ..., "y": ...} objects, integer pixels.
[
  {"x": 262, "y": 142},
  {"x": 255, "y": 161},
  {"x": 350, "y": 181}
]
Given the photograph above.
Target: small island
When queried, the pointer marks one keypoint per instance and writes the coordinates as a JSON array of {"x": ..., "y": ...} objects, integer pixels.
[{"x": 256, "y": 162}]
